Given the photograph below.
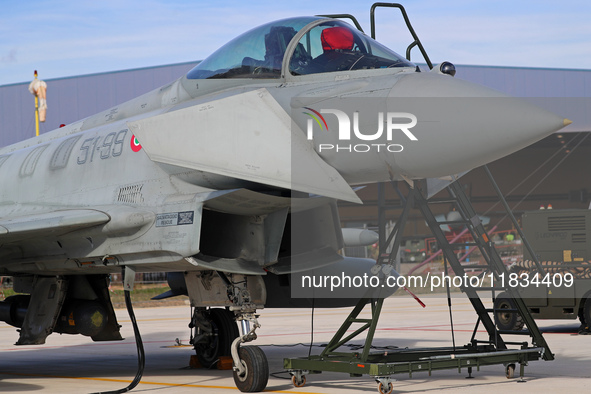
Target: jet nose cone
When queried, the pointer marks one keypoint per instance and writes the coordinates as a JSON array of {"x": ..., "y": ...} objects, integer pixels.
[{"x": 462, "y": 125}]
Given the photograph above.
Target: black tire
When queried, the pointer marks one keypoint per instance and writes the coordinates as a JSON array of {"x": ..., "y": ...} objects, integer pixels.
[
  {"x": 507, "y": 321},
  {"x": 585, "y": 317},
  {"x": 510, "y": 371},
  {"x": 225, "y": 331},
  {"x": 18, "y": 309},
  {"x": 257, "y": 370}
]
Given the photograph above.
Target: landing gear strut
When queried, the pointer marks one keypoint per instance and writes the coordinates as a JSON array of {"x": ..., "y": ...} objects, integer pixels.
[
  {"x": 251, "y": 368},
  {"x": 216, "y": 330}
]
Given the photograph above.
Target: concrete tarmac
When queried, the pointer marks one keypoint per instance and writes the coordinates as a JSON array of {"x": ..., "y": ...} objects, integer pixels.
[{"x": 75, "y": 364}]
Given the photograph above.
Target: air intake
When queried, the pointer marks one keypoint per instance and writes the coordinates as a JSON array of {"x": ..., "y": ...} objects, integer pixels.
[{"x": 131, "y": 194}]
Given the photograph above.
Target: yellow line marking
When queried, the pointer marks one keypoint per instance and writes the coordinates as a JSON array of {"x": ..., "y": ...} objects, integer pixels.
[{"x": 152, "y": 383}]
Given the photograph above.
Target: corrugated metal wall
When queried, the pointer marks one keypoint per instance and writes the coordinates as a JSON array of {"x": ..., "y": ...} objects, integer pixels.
[
  {"x": 566, "y": 92},
  {"x": 530, "y": 82},
  {"x": 561, "y": 91}
]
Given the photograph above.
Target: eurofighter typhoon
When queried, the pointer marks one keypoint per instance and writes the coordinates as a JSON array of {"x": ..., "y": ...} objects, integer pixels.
[{"x": 228, "y": 178}]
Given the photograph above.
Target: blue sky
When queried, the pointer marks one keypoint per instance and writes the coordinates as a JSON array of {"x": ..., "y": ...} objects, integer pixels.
[{"x": 64, "y": 38}]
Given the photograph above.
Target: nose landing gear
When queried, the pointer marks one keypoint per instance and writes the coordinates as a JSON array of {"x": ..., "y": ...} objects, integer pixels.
[
  {"x": 217, "y": 336},
  {"x": 251, "y": 368}
]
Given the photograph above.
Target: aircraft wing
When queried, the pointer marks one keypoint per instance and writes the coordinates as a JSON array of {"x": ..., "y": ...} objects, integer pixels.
[
  {"x": 49, "y": 224},
  {"x": 246, "y": 136}
]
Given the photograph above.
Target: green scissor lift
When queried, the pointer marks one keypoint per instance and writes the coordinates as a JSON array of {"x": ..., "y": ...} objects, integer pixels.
[{"x": 479, "y": 352}]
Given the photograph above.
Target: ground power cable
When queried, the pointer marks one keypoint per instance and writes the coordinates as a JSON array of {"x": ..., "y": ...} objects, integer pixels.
[
  {"x": 311, "y": 328},
  {"x": 139, "y": 345},
  {"x": 451, "y": 319}
]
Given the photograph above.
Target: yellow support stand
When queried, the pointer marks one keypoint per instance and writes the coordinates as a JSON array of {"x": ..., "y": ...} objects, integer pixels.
[{"x": 36, "y": 111}]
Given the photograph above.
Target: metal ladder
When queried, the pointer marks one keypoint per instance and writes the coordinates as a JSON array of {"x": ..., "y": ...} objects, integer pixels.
[
  {"x": 494, "y": 263},
  {"x": 493, "y": 351}
]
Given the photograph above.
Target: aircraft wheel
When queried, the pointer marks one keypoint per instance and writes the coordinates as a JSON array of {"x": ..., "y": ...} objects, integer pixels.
[
  {"x": 510, "y": 371},
  {"x": 587, "y": 313},
  {"x": 224, "y": 332},
  {"x": 509, "y": 321},
  {"x": 256, "y": 375},
  {"x": 581, "y": 314},
  {"x": 298, "y": 382},
  {"x": 385, "y": 388}
]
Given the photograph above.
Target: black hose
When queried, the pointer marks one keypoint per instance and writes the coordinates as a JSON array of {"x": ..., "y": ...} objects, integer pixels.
[
  {"x": 311, "y": 328},
  {"x": 140, "y": 349}
]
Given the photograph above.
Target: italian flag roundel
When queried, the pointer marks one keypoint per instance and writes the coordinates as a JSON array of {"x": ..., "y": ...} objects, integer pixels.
[{"x": 135, "y": 144}]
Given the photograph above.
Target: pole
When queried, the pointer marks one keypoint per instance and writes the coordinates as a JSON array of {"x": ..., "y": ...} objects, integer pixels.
[{"x": 36, "y": 111}]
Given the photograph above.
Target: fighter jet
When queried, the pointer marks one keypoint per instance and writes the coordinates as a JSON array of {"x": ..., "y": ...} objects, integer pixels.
[{"x": 229, "y": 176}]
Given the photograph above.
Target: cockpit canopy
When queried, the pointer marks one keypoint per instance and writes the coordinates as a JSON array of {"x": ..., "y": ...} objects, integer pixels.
[{"x": 322, "y": 46}]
